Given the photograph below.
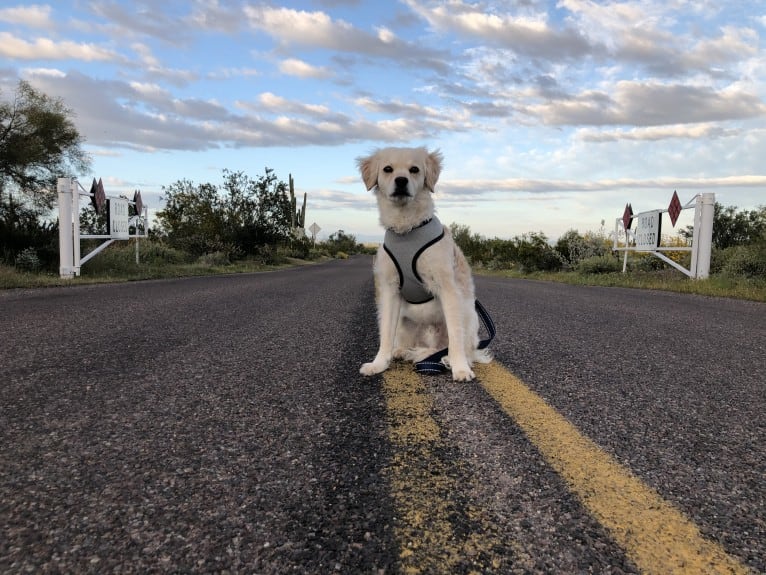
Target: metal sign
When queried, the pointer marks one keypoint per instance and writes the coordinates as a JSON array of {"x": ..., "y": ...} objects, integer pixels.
[
  {"x": 647, "y": 232},
  {"x": 118, "y": 220}
]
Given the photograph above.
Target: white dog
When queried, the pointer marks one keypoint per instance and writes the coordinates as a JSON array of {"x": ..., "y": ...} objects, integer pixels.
[{"x": 425, "y": 289}]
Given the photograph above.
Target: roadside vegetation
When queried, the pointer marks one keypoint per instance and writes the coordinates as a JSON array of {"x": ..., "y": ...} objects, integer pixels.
[{"x": 247, "y": 224}]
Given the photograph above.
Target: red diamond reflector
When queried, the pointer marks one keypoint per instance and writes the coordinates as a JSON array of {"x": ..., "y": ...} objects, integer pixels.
[
  {"x": 674, "y": 209},
  {"x": 627, "y": 216},
  {"x": 139, "y": 202},
  {"x": 99, "y": 198}
]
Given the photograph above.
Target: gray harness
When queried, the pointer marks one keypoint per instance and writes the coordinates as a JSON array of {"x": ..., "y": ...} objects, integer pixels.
[{"x": 405, "y": 249}]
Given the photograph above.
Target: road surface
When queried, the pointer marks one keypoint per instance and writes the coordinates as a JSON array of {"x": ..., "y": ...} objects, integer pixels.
[{"x": 219, "y": 424}]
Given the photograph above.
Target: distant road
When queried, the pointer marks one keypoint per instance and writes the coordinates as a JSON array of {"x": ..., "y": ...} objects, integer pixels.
[{"x": 220, "y": 424}]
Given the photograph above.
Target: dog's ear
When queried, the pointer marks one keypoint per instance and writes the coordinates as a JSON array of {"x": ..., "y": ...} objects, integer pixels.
[
  {"x": 368, "y": 167},
  {"x": 433, "y": 169}
]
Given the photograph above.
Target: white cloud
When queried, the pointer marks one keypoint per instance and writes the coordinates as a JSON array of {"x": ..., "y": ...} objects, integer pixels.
[
  {"x": 527, "y": 35},
  {"x": 474, "y": 186},
  {"x": 34, "y": 15},
  {"x": 301, "y": 69},
  {"x": 44, "y": 48},
  {"x": 51, "y": 72},
  {"x": 304, "y": 28},
  {"x": 210, "y": 15},
  {"x": 272, "y": 102},
  {"x": 318, "y": 30},
  {"x": 149, "y": 90},
  {"x": 225, "y": 73},
  {"x": 649, "y": 103},
  {"x": 655, "y": 133},
  {"x": 385, "y": 35}
]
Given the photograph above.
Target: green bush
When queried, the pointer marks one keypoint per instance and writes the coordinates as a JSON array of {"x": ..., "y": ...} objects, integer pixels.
[
  {"x": 748, "y": 261},
  {"x": 646, "y": 263},
  {"x": 199, "y": 245},
  {"x": 158, "y": 253},
  {"x": 120, "y": 257},
  {"x": 27, "y": 260},
  {"x": 269, "y": 255},
  {"x": 214, "y": 259},
  {"x": 599, "y": 265}
]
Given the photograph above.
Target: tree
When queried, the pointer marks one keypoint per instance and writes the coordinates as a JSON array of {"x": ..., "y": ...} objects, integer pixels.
[
  {"x": 241, "y": 217},
  {"x": 38, "y": 144},
  {"x": 193, "y": 217},
  {"x": 574, "y": 247},
  {"x": 535, "y": 253},
  {"x": 21, "y": 228},
  {"x": 259, "y": 211},
  {"x": 340, "y": 241},
  {"x": 732, "y": 228}
]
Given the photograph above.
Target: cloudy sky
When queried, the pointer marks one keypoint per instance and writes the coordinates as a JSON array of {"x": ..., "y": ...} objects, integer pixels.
[{"x": 551, "y": 115}]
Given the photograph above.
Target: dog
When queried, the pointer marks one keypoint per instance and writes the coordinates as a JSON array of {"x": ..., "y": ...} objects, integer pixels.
[{"x": 425, "y": 289}]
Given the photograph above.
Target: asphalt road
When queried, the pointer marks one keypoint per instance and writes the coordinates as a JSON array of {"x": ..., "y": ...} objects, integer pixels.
[{"x": 220, "y": 425}]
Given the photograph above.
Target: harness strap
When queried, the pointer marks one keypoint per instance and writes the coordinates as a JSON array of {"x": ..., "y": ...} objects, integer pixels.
[{"x": 433, "y": 363}]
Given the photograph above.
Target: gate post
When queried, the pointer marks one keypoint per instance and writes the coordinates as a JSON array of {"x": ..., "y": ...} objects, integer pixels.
[
  {"x": 702, "y": 239},
  {"x": 66, "y": 234}
]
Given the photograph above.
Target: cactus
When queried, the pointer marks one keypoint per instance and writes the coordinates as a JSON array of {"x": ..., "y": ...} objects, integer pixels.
[
  {"x": 302, "y": 216},
  {"x": 297, "y": 218},
  {"x": 292, "y": 201}
]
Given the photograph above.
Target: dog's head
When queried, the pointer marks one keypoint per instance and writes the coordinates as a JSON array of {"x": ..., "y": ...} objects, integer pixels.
[{"x": 399, "y": 174}]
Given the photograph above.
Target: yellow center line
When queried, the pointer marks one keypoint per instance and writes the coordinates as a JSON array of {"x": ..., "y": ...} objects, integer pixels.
[
  {"x": 424, "y": 486},
  {"x": 656, "y": 536}
]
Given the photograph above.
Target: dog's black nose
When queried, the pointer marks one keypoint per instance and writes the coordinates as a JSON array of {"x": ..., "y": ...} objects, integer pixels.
[{"x": 401, "y": 182}]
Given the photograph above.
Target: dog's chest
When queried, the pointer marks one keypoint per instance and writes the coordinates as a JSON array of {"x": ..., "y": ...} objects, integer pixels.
[{"x": 404, "y": 250}]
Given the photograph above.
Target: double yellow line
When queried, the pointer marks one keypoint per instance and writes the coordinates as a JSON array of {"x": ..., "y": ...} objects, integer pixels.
[{"x": 656, "y": 536}]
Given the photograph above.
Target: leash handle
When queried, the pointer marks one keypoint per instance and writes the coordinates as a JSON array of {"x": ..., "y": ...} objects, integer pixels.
[{"x": 433, "y": 365}]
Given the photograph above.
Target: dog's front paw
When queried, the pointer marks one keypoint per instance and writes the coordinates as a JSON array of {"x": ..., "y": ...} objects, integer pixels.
[
  {"x": 463, "y": 374},
  {"x": 374, "y": 367}
]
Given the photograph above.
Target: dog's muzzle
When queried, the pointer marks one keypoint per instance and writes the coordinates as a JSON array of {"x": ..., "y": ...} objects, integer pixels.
[{"x": 401, "y": 186}]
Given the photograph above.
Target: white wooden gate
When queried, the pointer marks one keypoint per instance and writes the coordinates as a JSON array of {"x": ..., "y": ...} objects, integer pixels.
[
  {"x": 69, "y": 192},
  {"x": 646, "y": 235}
]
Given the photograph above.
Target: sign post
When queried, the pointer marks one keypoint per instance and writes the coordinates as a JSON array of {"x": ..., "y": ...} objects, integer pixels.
[
  {"x": 702, "y": 238},
  {"x": 66, "y": 236},
  {"x": 314, "y": 229}
]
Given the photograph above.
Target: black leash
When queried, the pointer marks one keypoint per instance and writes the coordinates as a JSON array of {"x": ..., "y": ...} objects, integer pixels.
[{"x": 433, "y": 363}]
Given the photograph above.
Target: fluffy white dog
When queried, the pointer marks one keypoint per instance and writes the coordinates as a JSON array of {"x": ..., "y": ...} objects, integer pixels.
[{"x": 425, "y": 289}]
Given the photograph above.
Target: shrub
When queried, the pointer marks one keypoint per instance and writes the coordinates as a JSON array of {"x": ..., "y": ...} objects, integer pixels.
[
  {"x": 27, "y": 260},
  {"x": 268, "y": 255},
  {"x": 599, "y": 265},
  {"x": 646, "y": 263},
  {"x": 158, "y": 253},
  {"x": 214, "y": 259},
  {"x": 199, "y": 245},
  {"x": 748, "y": 261}
]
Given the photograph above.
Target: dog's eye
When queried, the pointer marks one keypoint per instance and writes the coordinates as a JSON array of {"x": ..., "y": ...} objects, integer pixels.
[
  {"x": 414, "y": 170},
  {"x": 388, "y": 169}
]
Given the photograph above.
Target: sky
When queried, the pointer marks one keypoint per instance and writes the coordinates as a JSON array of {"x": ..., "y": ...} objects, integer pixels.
[{"x": 551, "y": 116}]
